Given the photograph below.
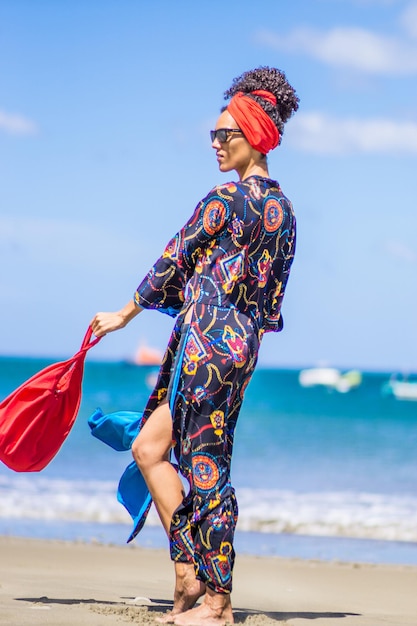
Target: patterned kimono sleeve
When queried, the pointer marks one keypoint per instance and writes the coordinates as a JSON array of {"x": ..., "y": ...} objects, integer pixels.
[
  {"x": 163, "y": 287},
  {"x": 273, "y": 321}
]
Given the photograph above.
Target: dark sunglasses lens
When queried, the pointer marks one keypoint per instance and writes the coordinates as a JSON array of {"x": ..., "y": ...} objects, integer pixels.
[{"x": 220, "y": 135}]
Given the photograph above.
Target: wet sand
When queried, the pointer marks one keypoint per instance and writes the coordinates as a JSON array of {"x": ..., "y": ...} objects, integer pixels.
[{"x": 66, "y": 584}]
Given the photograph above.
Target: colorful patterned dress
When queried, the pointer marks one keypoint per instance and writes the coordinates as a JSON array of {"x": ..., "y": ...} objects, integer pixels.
[{"x": 230, "y": 264}]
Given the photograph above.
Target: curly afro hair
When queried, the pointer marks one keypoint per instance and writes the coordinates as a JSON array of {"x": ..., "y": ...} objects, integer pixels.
[{"x": 273, "y": 80}]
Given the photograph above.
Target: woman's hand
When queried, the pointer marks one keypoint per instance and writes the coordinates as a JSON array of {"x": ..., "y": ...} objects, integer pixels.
[{"x": 103, "y": 323}]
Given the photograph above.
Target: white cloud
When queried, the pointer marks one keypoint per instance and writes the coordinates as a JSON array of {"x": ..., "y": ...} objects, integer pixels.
[
  {"x": 321, "y": 134},
  {"x": 408, "y": 20},
  {"x": 16, "y": 124},
  {"x": 401, "y": 251},
  {"x": 349, "y": 47}
]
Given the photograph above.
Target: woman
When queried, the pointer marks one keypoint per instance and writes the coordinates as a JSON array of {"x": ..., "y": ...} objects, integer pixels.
[{"x": 224, "y": 275}]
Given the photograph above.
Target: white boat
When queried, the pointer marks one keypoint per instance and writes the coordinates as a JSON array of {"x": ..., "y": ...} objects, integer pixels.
[
  {"x": 330, "y": 377},
  {"x": 349, "y": 380},
  {"x": 401, "y": 389},
  {"x": 327, "y": 376}
]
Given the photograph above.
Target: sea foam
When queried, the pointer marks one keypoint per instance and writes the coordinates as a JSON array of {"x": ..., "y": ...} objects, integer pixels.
[{"x": 332, "y": 514}]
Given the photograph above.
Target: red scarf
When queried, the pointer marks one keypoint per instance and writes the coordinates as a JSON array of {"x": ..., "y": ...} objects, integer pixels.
[{"x": 256, "y": 125}]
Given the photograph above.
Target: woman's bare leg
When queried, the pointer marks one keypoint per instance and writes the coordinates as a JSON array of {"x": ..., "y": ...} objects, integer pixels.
[{"x": 151, "y": 451}]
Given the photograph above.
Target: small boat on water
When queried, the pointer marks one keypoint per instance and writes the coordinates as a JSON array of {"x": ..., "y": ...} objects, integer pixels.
[
  {"x": 401, "y": 389},
  {"x": 147, "y": 356},
  {"x": 151, "y": 359},
  {"x": 331, "y": 378}
]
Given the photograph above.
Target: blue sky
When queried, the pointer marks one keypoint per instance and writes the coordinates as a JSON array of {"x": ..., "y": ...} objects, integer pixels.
[{"x": 105, "y": 108}]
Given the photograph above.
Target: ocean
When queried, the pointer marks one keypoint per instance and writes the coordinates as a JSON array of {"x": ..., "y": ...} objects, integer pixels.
[{"x": 318, "y": 473}]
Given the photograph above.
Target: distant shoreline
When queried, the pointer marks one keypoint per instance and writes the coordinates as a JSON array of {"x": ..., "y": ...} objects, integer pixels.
[
  {"x": 247, "y": 543},
  {"x": 124, "y": 361}
]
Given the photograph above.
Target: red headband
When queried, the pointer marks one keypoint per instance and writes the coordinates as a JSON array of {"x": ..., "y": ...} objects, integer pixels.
[{"x": 256, "y": 125}]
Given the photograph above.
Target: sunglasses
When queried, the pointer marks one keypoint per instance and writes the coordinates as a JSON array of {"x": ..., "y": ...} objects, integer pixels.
[{"x": 223, "y": 134}]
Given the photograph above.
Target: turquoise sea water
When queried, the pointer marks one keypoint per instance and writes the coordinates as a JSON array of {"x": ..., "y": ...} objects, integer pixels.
[{"x": 318, "y": 473}]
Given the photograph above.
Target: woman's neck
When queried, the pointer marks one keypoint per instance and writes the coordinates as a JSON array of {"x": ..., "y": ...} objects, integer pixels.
[{"x": 254, "y": 169}]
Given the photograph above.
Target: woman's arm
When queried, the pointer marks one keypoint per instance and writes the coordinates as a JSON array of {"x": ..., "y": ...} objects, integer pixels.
[{"x": 103, "y": 323}]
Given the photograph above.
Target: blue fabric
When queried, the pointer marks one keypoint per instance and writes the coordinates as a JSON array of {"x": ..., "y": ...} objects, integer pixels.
[
  {"x": 177, "y": 368},
  {"x": 135, "y": 497},
  {"x": 119, "y": 430}
]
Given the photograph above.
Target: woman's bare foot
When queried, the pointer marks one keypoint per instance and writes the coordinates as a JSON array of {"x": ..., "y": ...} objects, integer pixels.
[
  {"x": 187, "y": 591},
  {"x": 215, "y": 610}
]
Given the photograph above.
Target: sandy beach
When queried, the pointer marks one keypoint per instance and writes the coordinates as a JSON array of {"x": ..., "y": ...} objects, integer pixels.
[{"x": 66, "y": 584}]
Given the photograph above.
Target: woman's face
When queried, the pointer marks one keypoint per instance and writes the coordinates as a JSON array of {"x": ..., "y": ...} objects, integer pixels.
[{"x": 235, "y": 153}]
